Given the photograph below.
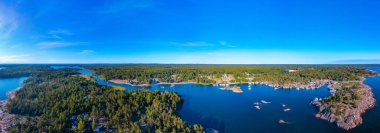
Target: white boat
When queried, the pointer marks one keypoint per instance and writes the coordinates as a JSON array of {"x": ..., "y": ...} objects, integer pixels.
[
  {"x": 257, "y": 107},
  {"x": 281, "y": 121},
  {"x": 265, "y": 102},
  {"x": 316, "y": 99},
  {"x": 287, "y": 110}
]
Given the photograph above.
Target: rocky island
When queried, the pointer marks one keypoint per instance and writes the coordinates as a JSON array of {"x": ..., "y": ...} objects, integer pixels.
[
  {"x": 235, "y": 89},
  {"x": 348, "y": 101}
]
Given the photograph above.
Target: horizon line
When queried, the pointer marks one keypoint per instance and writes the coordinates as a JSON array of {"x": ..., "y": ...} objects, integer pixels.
[{"x": 189, "y": 64}]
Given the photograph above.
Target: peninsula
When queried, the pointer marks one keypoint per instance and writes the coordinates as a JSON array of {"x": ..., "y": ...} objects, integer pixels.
[
  {"x": 348, "y": 101},
  {"x": 61, "y": 100}
]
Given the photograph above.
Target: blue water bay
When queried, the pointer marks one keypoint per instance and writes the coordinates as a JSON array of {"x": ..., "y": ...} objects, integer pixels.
[
  {"x": 227, "y": 111},
  {"x": 9, "y": 84}
]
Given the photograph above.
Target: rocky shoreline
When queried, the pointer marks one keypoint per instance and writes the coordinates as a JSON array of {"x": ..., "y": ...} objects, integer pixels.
[
  {"x": 350, "y": 113},
  {"x": 127, "y": 82},
  {"x": 7, "y": 120},
  {"x": 346, "y": 114},
  {"x": 310, "y": 85},
  {"x": 11, "y": 94},
  {"x": 234, "y": 89}
]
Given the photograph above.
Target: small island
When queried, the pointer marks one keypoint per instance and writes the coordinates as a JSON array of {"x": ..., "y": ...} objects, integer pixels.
[{"x": 235, "y": 89}]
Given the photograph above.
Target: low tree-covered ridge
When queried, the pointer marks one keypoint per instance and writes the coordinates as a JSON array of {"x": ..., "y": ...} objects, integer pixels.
[
  {"x": 285, "y": 75},
  {"x": 57, "y": 101}
]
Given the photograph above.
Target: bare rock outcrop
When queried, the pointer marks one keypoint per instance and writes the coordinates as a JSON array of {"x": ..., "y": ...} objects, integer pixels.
[{"x": 346, "y": 114}]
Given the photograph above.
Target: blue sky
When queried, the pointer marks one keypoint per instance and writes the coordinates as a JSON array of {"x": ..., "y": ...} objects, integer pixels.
[{"x": 190, "y": 31}]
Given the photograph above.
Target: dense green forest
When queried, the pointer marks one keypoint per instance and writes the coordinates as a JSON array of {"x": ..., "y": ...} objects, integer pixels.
[
  {"x": 210, "y": 74},
  {"x": 347, "y": 95},
  {"x": 21, "y": 70},
  {"x": 59, "y": 101}
]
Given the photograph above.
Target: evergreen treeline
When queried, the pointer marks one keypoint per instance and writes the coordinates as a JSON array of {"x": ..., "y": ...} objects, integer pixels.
[
  {"x": 58, "y": 101},
  {"x": 346, "y": 97},
  {"x": 20, "y": 71},
  {"x": 144, "y": 74}
]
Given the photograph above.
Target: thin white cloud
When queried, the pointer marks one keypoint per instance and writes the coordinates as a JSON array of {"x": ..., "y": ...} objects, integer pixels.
[
  {"x": 129, "y": 5},
  {"x": 14, "y": 46},
  {"x": 223, "y": 43},
  {"x": 86, "y": 51},
  {"x": 58, "y": 40},
  {"x": 216, "y": 53},
  {"x": 14, "y": 59},
  {"x": 231, "y": 46},
  {"x": 60, "y": 31},
  {"x": 203, "y": 44},
  {"x": 57, "y": 44},
  {"x": 8, "y": 22},
  {"x": 192, "y": 44},
  {"x": 357, "y": 61}
]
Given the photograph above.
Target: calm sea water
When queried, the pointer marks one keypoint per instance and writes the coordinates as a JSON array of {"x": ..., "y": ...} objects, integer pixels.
[
  {"x": 235, "y": 113},
  {"x": 9, "y": 84}
]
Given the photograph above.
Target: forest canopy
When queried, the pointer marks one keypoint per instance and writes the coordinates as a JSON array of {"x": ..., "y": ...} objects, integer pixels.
[
  {"x": 61, "y": 101},
  {"x": 210, "y": 74}
]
